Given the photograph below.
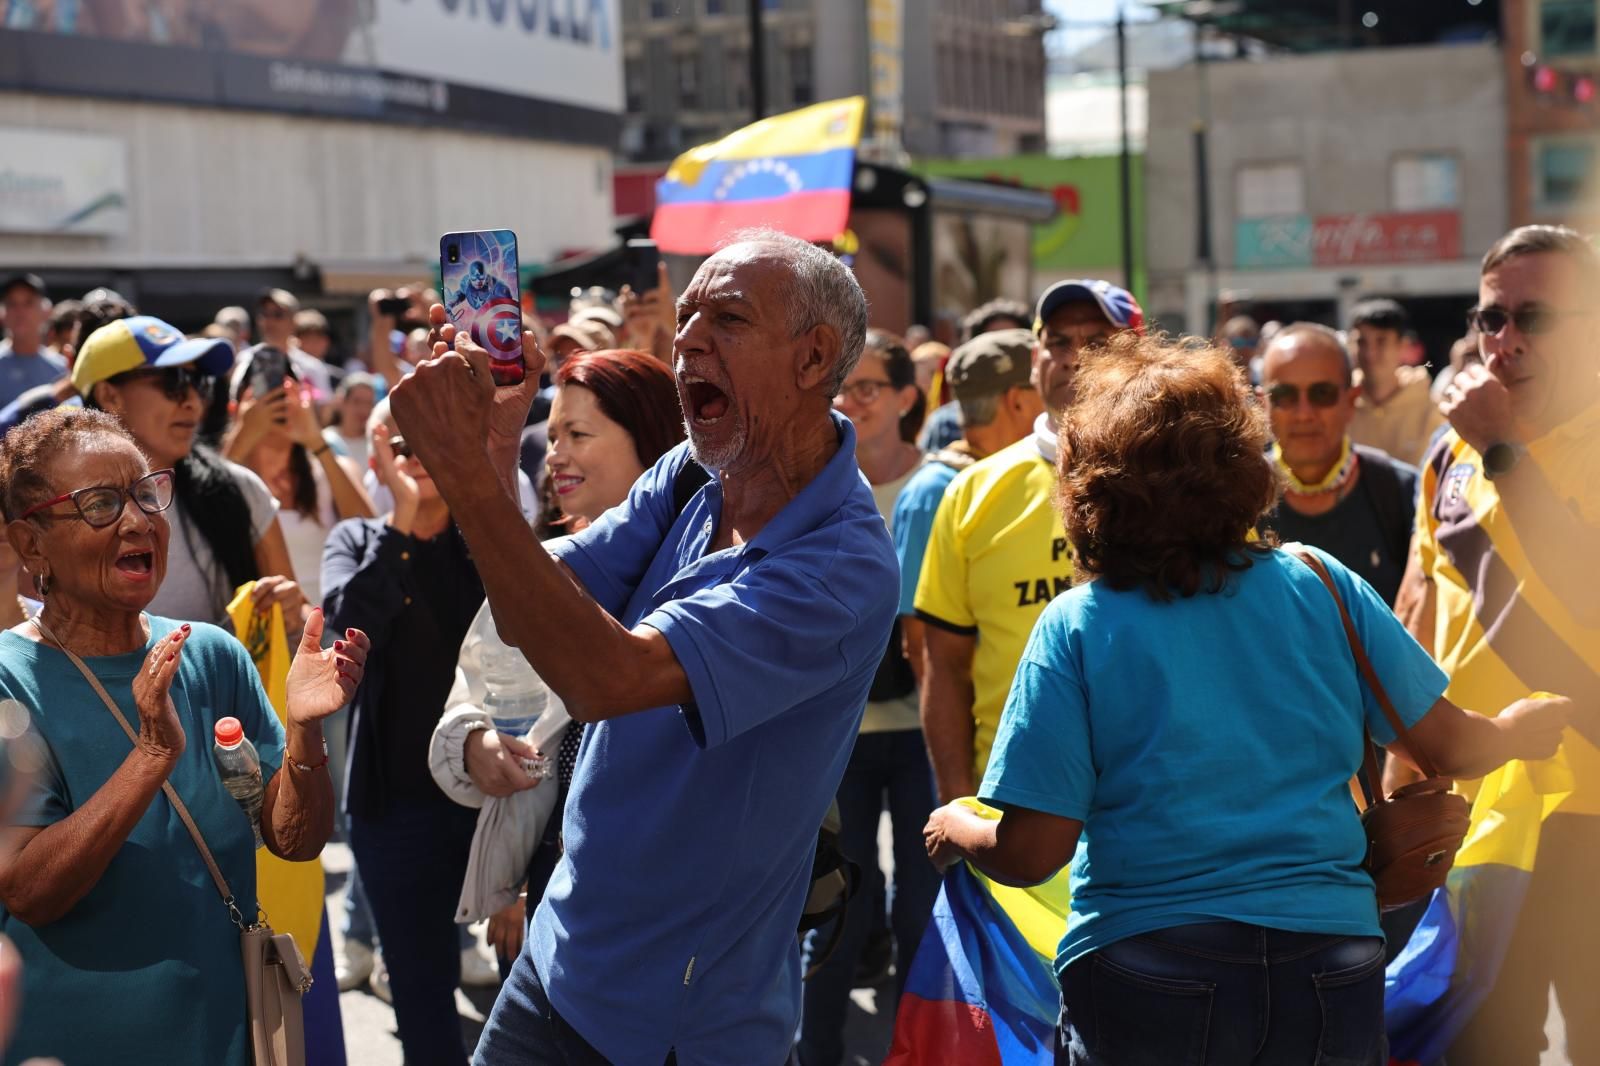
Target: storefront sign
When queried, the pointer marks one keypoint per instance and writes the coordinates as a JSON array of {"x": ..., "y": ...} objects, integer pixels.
[{"x": 1347, "y": 240}]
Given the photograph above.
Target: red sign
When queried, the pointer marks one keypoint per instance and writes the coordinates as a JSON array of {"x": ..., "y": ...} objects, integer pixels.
[{"x": 1410, "y": 237}]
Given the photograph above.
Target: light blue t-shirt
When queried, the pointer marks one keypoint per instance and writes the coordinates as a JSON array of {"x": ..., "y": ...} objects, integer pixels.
[
  {"x": 145, "y": 969},
  {"x": 912, "y": 524},
  {"x": 1207, "y": 745},
  {"x": 19, "y": 373},
  {"x": 690, "y": 830}
]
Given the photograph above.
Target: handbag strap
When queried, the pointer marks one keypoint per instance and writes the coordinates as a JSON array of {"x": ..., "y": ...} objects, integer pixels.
[
  {"x": 166, "y": 786},
  {"x": 1364, "y": 664}
]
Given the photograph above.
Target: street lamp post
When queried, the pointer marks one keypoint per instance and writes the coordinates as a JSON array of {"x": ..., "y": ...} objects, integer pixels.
[{"x": 758, "y": 63}]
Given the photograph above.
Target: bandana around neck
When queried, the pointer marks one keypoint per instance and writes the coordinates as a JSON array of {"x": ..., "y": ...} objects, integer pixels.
[{"x": 1333, "y": 482}]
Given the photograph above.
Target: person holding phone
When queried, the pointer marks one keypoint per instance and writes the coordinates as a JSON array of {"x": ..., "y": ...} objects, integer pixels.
[
  {"x": 615, "y": 414},
  {"x": 407, "y": 580},
  {"x": 224, "y": 518},
  {"x": 277, "y": 435},
  {"x": 719, "y": 650}
]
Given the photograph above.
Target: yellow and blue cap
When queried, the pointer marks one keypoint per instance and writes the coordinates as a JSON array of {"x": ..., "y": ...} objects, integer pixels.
[{"x": 144, "y": 342}]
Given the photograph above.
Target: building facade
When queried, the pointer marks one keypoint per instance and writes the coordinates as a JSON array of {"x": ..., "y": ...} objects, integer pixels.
[
  {"x": 1552, "y": 70},
  {"x": 953, "y": 77},
  {"x": 189, "y": 166},
  {"x": 1330, "y": 177}
]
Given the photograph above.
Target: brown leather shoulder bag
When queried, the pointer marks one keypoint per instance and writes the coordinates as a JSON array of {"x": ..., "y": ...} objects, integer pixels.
[{"x": 1414, "y": 834}]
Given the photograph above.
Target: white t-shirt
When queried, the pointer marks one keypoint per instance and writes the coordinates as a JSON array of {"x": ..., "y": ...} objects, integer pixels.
[
  {"x": 196, "y": 589},
  {"x": 305, "y": 536}
]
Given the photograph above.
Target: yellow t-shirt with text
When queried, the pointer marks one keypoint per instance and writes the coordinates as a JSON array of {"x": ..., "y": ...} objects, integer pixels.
[{"x": 996, "y": 556}]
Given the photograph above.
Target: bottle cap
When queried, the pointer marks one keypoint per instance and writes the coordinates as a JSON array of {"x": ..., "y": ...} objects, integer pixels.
[{"x": 228, "y": 732}]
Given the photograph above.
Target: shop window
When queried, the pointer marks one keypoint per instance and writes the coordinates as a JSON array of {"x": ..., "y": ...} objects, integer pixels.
[
  {"x": 1424, "y": 182},
  {"x": 1568, "y": 27},
  {"x": 1265, "y": 190},
  {"x": 1563, "y": 171}
]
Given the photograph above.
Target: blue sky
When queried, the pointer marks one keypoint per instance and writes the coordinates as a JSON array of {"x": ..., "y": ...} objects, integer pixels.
[{"x": 1101, "y": 11}]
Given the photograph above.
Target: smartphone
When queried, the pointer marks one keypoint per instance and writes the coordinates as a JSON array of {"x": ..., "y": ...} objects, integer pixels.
[
  {"x": 396, "y": 307},
  {"x": 269, "y": 367},
  {"x": 479, "y": 271},
  {"x": 641, "y": 260}
]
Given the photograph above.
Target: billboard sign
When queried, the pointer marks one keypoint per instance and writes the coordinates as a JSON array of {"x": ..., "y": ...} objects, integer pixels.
[
  {"x": 62, "y": 183},
  {"x": 547, "y": 69}
]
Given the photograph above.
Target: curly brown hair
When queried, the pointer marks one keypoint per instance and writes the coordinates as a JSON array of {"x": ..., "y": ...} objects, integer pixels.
[
  {"x": 1163, "y": 465},
  {"x": 31, "y": 446}
]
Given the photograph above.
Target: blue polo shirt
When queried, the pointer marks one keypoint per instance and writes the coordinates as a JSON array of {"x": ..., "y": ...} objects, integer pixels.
[{"x": 690, "y": 830}]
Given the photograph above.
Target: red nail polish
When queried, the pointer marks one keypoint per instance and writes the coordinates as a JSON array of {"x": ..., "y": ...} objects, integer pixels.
[
  {"x": 338, "y": 645},
  {"x": 171, "y": 657},
  {"x": 186, "y": 627}
]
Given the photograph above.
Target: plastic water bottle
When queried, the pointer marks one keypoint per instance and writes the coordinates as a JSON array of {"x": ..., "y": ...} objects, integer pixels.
[
  {"x": 241, "y": 770},
  {"x": 516, "y": 696}
]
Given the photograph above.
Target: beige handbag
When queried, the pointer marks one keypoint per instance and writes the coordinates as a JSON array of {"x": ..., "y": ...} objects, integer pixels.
[{"x": 275, "y": 973}]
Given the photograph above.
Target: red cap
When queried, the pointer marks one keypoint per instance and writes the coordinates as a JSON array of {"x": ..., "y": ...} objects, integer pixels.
[{"x": 229, "y": 732}]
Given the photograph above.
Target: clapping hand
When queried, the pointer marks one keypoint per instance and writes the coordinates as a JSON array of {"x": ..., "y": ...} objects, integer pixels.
[
  {"x": 160, "y": 731},
  {"x": 321, "y": 680}
]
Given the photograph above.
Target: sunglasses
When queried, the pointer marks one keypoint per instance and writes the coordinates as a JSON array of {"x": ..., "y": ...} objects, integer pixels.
[
  {"x": 398, "y": 445},
  {"x": 1530, "y": 320},
  {"x": 865, "y": 392},
  {"x": 102, "y": 505},
  {"x": 173, "y": 381},
  {"x": 1322, "y": 394}
]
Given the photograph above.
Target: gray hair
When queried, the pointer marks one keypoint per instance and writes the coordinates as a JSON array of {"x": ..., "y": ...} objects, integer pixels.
[
  {"x": 979, "y": 410},
  {"x": 825, "y": 292}
]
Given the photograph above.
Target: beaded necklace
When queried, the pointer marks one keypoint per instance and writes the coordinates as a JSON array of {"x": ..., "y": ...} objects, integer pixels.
[{"x": 1333, "y": 482}]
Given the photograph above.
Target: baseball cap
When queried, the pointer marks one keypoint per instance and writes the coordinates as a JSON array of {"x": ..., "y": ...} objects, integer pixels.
[
  {"x": 590, "y": 334},
  {"x": 140, "y": 342},
  {"x": 990, "y": 363},
  {"x": 28, "y": 281},
  {"x": 282, "y": 297},
  {"x": 605, "y": 315},
  {"x": 1116, "y": 303}
]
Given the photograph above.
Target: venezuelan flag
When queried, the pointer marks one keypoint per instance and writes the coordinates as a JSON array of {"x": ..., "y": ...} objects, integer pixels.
[
  {"x": 791, "y": 172},
  {"x": 982, "y": 989},
  {"x": 1450, "y": 963}
]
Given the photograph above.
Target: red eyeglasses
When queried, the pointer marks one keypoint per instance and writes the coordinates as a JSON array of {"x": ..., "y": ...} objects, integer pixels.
[{"x": 101, "y": 505}]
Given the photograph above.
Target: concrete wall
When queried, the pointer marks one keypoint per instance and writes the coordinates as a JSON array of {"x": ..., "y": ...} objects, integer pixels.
[
  {"x": 1344, "y": 117},
  {"x": 221, "y": 189}
]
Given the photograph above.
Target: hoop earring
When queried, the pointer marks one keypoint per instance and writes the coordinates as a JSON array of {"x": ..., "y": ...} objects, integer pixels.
[{"x": 41, "y": 585}]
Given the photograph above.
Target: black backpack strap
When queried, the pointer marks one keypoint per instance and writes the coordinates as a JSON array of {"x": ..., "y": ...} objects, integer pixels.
[{"x": 688, "y": 481}]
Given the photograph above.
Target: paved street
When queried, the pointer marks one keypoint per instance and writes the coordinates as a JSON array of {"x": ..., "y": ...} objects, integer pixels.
[{"x": 369, "y": 1031}]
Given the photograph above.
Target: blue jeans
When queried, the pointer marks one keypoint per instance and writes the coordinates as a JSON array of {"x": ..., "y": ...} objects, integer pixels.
[
  {"x": 1225, "y": 994},
  {"x": 885, "y": 769},
  {"x": 413, "y": 859},
  {"x": 525, "y": 1030}
]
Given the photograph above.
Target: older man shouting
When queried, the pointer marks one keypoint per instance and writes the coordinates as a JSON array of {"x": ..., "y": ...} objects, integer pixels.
[{"x": 721, "y": 644}]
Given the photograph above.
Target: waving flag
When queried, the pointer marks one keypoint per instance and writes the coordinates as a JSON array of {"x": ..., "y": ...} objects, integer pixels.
[
  {"x": 982, "y": 989},
  {"x": 791, "y": 172},
  {"x": 1450, "y": 963}
]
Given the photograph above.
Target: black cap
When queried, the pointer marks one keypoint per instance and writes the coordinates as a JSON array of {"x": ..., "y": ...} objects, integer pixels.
[{"x": 32, "y": 281}]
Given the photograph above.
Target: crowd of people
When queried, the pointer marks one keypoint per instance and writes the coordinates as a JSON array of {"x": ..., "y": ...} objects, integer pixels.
[{"x": 764, "y": 569}]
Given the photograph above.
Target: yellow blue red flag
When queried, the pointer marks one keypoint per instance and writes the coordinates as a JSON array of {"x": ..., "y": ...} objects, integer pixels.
[{"x": 791, "y": 172}]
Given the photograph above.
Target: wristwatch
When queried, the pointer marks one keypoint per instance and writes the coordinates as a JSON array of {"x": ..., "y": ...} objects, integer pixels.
[{"x": 1501, "y": 458}]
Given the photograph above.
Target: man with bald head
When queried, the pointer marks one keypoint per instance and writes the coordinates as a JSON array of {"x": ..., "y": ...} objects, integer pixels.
[
  {"x": 718, "y": 632},
  {"x": 1354, "y": 502}
]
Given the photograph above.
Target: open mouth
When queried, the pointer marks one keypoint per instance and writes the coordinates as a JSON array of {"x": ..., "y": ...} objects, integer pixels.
[
  {"x": 707, "y": 403},
  {"x": 136, "y": 564}
]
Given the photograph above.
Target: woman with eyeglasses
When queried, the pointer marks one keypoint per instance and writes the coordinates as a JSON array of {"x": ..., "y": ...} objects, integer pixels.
[
  {"x": 276, "y": 435},
  {"x": 224, "y": 522},
  {"x": 131, "y": 952}
]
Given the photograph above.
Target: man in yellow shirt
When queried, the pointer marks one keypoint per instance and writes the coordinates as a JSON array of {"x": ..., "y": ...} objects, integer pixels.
[
  {"x": 998, "y": 553},
  {"x": 1508, "y": 524}
]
